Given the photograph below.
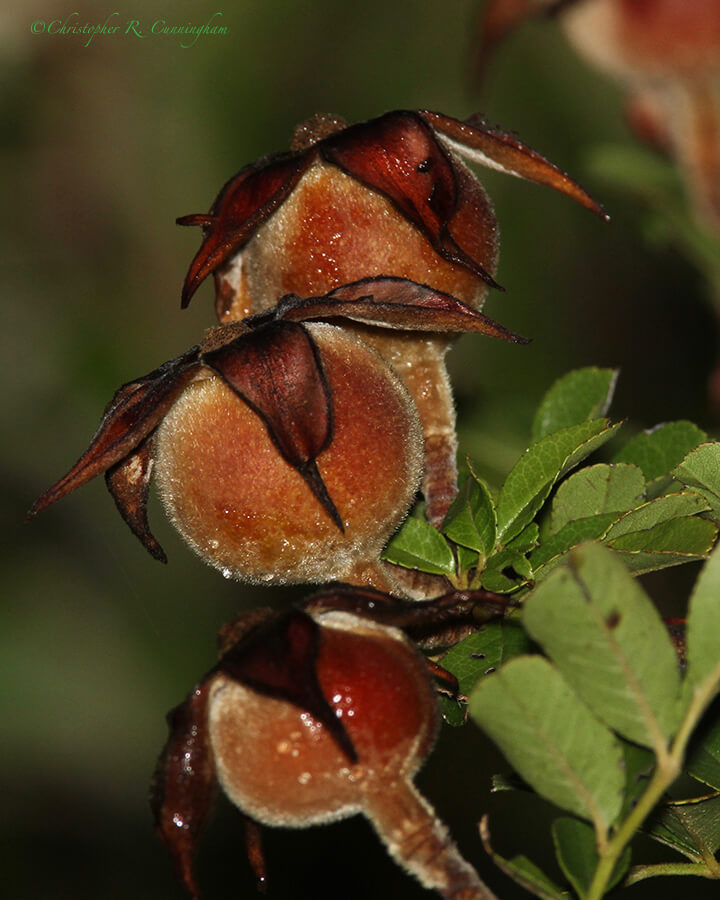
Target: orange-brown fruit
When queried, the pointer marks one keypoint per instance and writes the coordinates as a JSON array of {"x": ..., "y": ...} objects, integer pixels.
[
  {"x": 244, "y": 509},
  {"x": 243, "y": 428},
  {"x": 282, "y": 766},
  {"x": 284, "y": 450},
  {"x": 386, "y": 197},
  {"x": 333, "y": 230},
  {"x": 379, "y": 688},
  {"x": 314, "y": 714}
]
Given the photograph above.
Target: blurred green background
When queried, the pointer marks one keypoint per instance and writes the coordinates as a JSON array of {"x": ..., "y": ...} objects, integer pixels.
[{"x": 101, "y": 148}]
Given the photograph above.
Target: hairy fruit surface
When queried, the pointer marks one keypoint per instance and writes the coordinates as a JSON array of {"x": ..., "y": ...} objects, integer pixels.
[{"x": 247, "y": 511}]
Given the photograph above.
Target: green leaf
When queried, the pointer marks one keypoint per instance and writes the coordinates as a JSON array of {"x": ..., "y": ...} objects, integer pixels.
[
  {"x": 704, "y": 760},
  {"x": 470, "y": 521},
  {"x": 661, "y": 533},
  {"x": 506, "y": 571},
  {"x": 419, "y": 546},
  {"x": 668, "y": 544},
  {"x": 479, "y": 655},
  {"x": 531, "y": 479},
  {"x": 523, "y": 871},
  {"x": 466, "y": 559},
  {"x": 660, "y": 449},
  {"x": 641, "y": 563},
  {"x": 667, "y": 829},
  {"x": 690, "y": 536},
  {"x": 703, "y": 627},
  {"x": 551, "y": 738},
  {"x": 576, "y": 397},
  {"x": 508, "y": 781},
  {"x": 549, "y": 553},
  {"x": 526, "y": 541},
  {"x": 577, "y": 854},
  {"x": 656, "y": 512},
  {"x": 700, "y": 470},
  {"x": 595, "y": 490},
  {"x": 692, "y": 827},
  {"x": 607, "y": 639}
]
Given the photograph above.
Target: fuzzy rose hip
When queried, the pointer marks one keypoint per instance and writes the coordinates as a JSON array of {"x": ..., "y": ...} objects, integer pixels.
[
  {"x": 387, "y": 197},
  {"x": 248, "y": 512},
  {"x": 310, "y": 718},
  {"x": 286, "y": 449}
]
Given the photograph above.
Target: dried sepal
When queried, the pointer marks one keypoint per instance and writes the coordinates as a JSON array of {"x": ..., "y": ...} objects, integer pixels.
[
  {"x": 383, "y": 152},
  {"x": 129, "y": 484},
  {"x": 277, "y": 371},
  {"x": 184, "y": 785},
  {"x": 256, "y": 853},
  {"x": 437, "y": 622},
  {"x": 129, "y": 418},
  {"x": 243, "y": 204},
  {"x": 473, "y": 139},
  {"x": 279, "y": 660},
  {"x": 405, "y": 157},
  {"x": 395, "y": 303}
]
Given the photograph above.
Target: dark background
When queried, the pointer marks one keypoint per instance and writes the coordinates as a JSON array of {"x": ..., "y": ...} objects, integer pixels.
[{"x": 101, "y": 148}]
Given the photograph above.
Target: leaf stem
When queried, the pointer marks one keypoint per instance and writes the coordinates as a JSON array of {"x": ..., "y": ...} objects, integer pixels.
[
  {"x": 669, "y": 766},
  {"x": 662, "y": 777},
  {"x": 640, "y": 873}
]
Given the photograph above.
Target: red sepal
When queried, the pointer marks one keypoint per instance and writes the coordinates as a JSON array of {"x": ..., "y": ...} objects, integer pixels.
[
  {"x": 277, "y": 371},
  {"x": 129, "y": 484},
  {"x": 278, "y": 659},
  {"x": 184, "y": 786},
  {"x": 244, "y": 203},
  {"x": 390, "y": 302},
  {"x": 478, "y": 142},
  {"x": 399, "y": 156},
  {"x": 135, "y": 410}
]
